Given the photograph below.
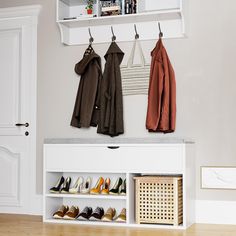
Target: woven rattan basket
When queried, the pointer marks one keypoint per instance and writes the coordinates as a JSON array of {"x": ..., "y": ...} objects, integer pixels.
[{"x": 159, "y": 200}]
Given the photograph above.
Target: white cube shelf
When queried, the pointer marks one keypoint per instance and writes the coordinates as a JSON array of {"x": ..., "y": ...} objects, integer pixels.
[
  {"x": 74, "y": 22},
  {"x": 125, "y": 158}
]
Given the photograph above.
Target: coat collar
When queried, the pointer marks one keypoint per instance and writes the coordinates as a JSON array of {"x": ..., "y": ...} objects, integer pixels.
[
  {"x": 114, "y": 49},
  {"x": 82, "y": 65},
  {"x": 159, "y": 46}
]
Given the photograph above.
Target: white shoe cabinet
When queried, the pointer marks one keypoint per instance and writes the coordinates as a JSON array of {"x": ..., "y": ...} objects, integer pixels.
[{"x": 115, "y": 158}]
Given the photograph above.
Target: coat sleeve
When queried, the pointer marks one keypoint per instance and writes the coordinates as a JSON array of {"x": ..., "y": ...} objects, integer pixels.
[
  {"x": 155, "y": 94},
  {"x": 164, "y": 122},
  {"x": 168, "y": 106},
  {"x": 97, "y": 105}
]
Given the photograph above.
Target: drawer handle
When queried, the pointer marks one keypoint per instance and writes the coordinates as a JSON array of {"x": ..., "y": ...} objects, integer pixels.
[{"x": 113, "y": 147}]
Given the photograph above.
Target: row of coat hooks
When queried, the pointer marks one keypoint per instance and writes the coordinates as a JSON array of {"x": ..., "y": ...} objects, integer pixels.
[{"x": 91, "y": 39}]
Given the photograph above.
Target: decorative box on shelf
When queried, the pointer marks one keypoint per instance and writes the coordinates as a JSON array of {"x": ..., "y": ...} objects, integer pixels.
[
  {"x": 113, "y": 158},
  {"x": 122, "y": 15}
]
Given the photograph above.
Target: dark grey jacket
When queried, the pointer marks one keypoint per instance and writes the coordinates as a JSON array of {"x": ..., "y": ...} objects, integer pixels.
[
  {"x": 111, "y": 106},
  {"x": 87, "y": 101}
]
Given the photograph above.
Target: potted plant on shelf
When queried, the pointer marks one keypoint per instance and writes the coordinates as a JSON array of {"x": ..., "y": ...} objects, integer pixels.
[{"x": 89, "y": 6}]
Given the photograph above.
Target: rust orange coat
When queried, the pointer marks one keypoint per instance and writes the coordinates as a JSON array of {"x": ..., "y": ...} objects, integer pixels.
[{"x": 161, "y": 112}]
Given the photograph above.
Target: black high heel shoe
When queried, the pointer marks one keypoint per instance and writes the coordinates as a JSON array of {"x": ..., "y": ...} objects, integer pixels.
[
  {"x": 66, "y": 185},
  {"x": 116, "y": 187},
  {"x": 123, "y": 188},
  {"x": 57, "y": 187}
]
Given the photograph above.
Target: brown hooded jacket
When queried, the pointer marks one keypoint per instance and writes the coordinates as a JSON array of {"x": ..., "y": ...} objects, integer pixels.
[
  {"x": 86, "y": 110},
  {"x": 111, "y": 113}
]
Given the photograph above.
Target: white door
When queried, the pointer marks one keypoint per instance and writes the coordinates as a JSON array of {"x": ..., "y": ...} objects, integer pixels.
[{"x": 17, "y": 109}]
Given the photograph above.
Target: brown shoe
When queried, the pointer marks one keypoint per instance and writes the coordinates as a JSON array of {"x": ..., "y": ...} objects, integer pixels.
[
  {"x": 109, "y": 215},
  {"x": 72, "y": 213},
  {"x": 60, "y": 212},
  {"x": 122, "y": 216}
]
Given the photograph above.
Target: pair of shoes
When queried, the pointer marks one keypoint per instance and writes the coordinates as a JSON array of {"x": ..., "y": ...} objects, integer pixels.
[
  {"x": 97, "y": 214},
  {"x": 62, "y": 185},
  {"x": 106, "y": 184},
  {"x": 64, "y": 212},
  {"x": 80, "y": 186},
  {"x": 89, "y": 214},
  {"x": 101, "y": 186},
  {"x": 120, "y": 184},
  {"x": 110, "y": 215}
]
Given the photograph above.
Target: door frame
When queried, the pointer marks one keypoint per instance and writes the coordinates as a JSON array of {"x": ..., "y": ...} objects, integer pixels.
[{"x": 28, "y": 16}]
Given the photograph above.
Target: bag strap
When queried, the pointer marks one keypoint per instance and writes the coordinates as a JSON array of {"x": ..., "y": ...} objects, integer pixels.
[{"x": 131, "y": 58}]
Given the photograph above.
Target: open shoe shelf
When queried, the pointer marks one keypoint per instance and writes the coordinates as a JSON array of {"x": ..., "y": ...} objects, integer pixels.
[
  {"x": 171, "y": 14},
  {"x": 127, "y": 160}
]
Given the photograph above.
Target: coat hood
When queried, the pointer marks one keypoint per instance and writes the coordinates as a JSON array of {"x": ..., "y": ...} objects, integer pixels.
[
  {"x": 81, "y": 66},
  {"x": 114, "y": 49}
]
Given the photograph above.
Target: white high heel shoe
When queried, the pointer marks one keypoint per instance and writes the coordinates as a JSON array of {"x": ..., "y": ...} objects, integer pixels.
[
  {"x": 77, "y": 186},
  {"x": 86, "y": 186}
]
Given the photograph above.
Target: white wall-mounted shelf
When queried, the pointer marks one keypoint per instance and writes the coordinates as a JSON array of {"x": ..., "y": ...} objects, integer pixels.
[
  {"x": 130, "y": 158},
  {"x": 170, "y": 13}
]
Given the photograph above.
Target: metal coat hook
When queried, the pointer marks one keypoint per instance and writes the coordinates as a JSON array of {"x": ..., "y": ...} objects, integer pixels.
[
  {"x": 160, "y": 32},
  {"x": 91, "y": 39},
  {"x": 113, "y": 35},
  {"x": 136, "y": 32}
]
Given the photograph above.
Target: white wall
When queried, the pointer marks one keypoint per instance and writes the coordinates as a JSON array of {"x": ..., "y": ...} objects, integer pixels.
[{"x": 205, "y": 72}]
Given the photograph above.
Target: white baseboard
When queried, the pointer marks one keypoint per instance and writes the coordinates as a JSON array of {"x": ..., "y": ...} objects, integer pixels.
[{"x": 216, "y": 212}]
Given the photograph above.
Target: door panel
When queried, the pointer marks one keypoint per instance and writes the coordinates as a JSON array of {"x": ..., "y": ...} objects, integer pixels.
[
  {"x": 14, "y": 173},
  {"x": 10, "y": 81},
  {"x": 15, "y": 107},
  {"x": 10, "y": 176}
]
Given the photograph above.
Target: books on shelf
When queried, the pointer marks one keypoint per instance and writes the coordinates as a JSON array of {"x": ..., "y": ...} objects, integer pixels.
[
  {"x": 130, "y": 6},
  {"x": 110, "y": 7}
]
